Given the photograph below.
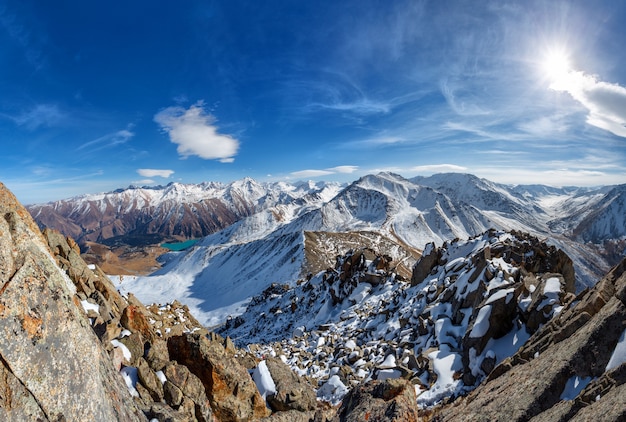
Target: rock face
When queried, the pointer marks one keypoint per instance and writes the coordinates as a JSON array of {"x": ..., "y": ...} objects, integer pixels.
[
  {"x": 576, "y": 347},
  {"x": 50, "y": 359},
  {"x": 389, "y": 400},
  {"x": 232, "y": 393}
]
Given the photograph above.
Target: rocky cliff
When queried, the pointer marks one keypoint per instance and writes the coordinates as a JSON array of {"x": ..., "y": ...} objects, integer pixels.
[{"x": 52, "y": 365}]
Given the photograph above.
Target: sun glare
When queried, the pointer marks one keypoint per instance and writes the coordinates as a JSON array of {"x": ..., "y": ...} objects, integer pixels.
[{"x": 555, "y": 66}]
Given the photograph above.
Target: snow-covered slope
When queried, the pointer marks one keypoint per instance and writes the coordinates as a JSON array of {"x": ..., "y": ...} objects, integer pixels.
[
  {"x": 144, "y": 215},
  {"x": 224, "y": 270},
  {"x": 468, "y": 307}
]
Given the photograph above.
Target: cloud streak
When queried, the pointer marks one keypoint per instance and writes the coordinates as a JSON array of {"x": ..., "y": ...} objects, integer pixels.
[
  {"x": 155, "y": 173},
  {"x": 195, "y": 133},
  {"x": 109, "y": 140},
  {"x": 439, "y": 168},
  {"x": 325, "y": 172},
  {"x": 42, "y": 115},
  {"x": 606, "y": 102}
]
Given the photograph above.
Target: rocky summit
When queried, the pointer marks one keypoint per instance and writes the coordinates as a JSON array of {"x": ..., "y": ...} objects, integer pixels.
[{"x": 485, "y": 328}]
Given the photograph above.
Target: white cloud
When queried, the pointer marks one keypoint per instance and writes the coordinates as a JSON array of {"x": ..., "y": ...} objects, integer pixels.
[
  {"x": 143, "y": 182},
  {"x": 344, "y": 169},
  {"x": 311, "y": 173},
  {"x": 605, "y": 102},
  {"x": 154, "y": 173},
  {"x": 438, "y": 168},
  {"x": 325, "y": 172},
  {"x": 194, "y": 132}
]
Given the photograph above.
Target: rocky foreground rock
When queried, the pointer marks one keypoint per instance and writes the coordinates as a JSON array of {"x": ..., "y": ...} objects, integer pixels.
[{"x": 435, "y": 347}]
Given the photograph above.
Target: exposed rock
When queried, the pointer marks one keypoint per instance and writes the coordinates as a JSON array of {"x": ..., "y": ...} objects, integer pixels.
[
  {"x": 50, "y": 357},
  {"x": 292, "y": 392},
  {"x": 229, "y": 387},
  {"x": 389, "y": 400},
  {"x": 430, "y": 257},
  {"x": 577, "y": 343}
]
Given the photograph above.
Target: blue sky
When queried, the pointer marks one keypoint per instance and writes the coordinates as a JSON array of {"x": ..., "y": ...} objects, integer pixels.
[{"x": 101, "y": 95}]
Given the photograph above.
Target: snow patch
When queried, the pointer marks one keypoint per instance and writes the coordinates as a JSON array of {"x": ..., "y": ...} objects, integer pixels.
[
  {"x": 618, "y": 356},
  {"x": 263, "y": 380}
]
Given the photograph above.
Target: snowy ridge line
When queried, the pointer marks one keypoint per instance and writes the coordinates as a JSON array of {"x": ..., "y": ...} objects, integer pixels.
[{"x": 470, "y": 305}]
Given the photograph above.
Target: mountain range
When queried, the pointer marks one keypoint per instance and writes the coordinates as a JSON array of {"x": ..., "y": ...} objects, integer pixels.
[
  {"x": 493, "y": 326},
  {"x": 258, "y": 233}
]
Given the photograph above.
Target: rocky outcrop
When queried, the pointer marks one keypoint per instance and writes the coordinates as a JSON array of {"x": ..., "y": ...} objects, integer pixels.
[
  {"x": 76, "y": 349},
  {"x": 569, "y": 370},
  {"x": 292, "y": 392},
  {"x": 470, "y": 304},
  {"x": 52, "y": 366},
  {"x": 390, "y": 400},
  {"x": 229, "y": 387}
]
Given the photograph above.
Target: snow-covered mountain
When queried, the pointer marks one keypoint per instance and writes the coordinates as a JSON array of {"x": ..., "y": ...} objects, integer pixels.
[
  {"x": 144, "y": 215},
  {"x": 224, "y": 270}
]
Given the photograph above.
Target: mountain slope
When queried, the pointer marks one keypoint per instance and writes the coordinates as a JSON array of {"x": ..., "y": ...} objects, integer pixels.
[
  {"x": 468, "y": 306},
  {"x": 227, "y": 268},
  {"x": 140, "y": 216}
]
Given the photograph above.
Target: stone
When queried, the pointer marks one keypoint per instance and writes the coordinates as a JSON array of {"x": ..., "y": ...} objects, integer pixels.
[
  {"x": 430, "y": 257},
  {"x": 172, "y": 394},
  {"x": 529, "y": 384},
  {"x": 149, "y": 379},
  {"x": 134, "y": 320},
  {"x": 157, "y": 354},
  {"x": 229, "y": 387},
  {"x": 388, "y": 400},
  {"x": 292, "y": 392}
]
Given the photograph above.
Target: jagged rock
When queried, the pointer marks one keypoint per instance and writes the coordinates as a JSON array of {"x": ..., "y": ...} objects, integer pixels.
[
  {"x": 157, "y": 354},
  {"x": 50, "y": 357},
  {"x": 577, "y": 343},
  {"x": 430, "y": 257},
  {"x": 172, "y": 394},
  {"x": 292, "y": 392},
  {"x": 149, "y": 379},
  {"x": 194, "y": 401},
  {"x": 389, "y": 400},
  {"x": 134, "y": 320},
  {"x": 135, "y": 345},
  {"x": 229, "y": 387}
]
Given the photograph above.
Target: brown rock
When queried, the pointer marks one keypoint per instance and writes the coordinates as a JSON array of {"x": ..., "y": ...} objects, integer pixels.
[
  {"x": 134, "y": 320},
  {"x": 424, "y": 266},
  {"x": 172, "y": 394},
  {"x": 229, "y": 387},
  {"x": 149, "y": 379},
  {"x": 529, "y": 385},
  {"x": 292, "y": 392},
  {"x": 389, "y": 400}
]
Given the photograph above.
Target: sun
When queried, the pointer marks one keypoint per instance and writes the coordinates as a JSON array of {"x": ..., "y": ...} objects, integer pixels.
[{"x": 556, "y": 65}]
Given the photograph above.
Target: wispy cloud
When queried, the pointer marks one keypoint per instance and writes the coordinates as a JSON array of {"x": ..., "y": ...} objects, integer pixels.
[
  {"x": 325, "y": 172},
  {"x": 195, "y": 133},
  {"x": 606, "y": 102},
  {"x": 439, "y": 168},
  {"x": 23, "y": 36},
  {"x": 155, "y": 173},
  {"x": 143, "y": 182},
  {"x": 41, "y": 115},
  {"x": 109, "y": 140}
]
